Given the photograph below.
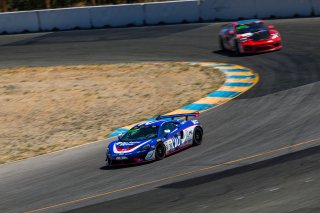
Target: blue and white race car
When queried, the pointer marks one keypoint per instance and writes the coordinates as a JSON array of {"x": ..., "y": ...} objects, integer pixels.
[{"x": 153, "y": 140}]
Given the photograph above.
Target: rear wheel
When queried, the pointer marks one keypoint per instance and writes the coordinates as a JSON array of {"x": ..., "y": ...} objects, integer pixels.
[
  {"x": 197, "y": 136},
  {"x": 160, "y": 151}
]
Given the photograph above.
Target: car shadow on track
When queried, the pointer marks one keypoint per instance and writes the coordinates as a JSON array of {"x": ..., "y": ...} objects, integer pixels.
[
  {"x": 122, "y": 166},
  {"x": 106, "y": 167},
  {"x": 233, "y": 54}
]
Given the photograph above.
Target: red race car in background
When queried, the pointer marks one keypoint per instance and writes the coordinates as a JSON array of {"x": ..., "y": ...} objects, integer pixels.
[{"x": 249, "y": 36}]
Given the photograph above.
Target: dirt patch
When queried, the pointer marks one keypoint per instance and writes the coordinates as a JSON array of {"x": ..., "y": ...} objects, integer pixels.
[{"x": 44, "y": 109}]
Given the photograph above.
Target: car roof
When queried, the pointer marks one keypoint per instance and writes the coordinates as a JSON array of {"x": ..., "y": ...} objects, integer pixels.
[
  {"x": 156, "y": 122},
  {"x": 247, "y": 21},
  {"x": 151, "y": 123}
]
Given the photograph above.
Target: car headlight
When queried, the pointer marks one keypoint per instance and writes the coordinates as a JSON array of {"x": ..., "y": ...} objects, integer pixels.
[
  {"x": 275, "y": 35},
  {"x": 242, "y": 40}
]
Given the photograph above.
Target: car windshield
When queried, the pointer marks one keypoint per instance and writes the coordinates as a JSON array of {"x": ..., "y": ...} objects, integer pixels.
[
  {"x": 140, "y": 133},
  {"x": 250, "y": 27}
]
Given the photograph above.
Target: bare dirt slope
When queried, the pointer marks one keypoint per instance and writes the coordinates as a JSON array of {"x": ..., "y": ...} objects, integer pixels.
[{"x": 44, "y": 109}]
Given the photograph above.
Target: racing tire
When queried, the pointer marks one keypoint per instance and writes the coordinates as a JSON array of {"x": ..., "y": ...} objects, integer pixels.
[
  {"x": 197, "y": 136},
  {"x": 236, "y": 47},
  {"x": 109, "y": 162},
  {"x": 160, "y": 151},
  {"x": 222, "y": 47}
]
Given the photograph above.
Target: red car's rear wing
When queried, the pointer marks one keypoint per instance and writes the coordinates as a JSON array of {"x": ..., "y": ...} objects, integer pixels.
[{"x": 187, "y": 115}]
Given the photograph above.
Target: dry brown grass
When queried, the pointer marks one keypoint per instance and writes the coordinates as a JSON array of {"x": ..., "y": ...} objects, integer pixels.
[{"x": 44, "y": 109}]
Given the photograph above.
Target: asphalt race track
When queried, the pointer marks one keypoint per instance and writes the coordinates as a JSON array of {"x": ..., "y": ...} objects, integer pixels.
[
  {"x": 248, "y": 133},
  {"x": 261, "y": 187}
]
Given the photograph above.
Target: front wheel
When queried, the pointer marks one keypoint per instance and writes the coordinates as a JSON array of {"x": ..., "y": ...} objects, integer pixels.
[
  {"x": 197, "y": 136},
  {"x": 222, "y": 47},
  {"x": 109, "y": 162},
  {"x": 236, "y": 47},
  {"x": 160, "y": 151}
]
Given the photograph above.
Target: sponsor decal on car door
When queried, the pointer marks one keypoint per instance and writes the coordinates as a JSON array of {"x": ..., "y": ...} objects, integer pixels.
[{"x": 173, "y": 144}]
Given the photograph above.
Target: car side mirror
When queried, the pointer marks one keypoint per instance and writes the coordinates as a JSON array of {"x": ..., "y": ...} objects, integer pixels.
[
  {"x": 271, "y": 27},
  {"x": 120, "y": 136}
]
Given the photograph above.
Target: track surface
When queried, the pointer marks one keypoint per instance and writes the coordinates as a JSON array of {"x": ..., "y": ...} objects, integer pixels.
[
  {"x": 260, "y": 187},
  {"x": 283, "y": 109}
]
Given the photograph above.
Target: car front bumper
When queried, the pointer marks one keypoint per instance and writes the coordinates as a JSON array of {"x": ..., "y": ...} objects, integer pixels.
[
  {"x": 260, "y": 47},
  {"x": 130, "y": 158}
]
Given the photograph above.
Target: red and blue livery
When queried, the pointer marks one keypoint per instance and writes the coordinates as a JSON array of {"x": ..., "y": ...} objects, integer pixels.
[
  {"x": 249, "y": 36},
  {"x": 155, "y": 139}
]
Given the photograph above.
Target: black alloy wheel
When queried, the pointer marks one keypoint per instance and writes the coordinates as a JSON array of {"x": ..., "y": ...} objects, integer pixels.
[
  {"x": 197, "y": 136},
  {"x": 160, "y": 151},
  {"x": 237, "y": 49},
  {"x": 222, "y": 47},
  {"x": 109, "y": 161}
]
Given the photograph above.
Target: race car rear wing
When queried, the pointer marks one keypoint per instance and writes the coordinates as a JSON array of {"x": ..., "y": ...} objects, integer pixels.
[{"x": 187, "y": 115}]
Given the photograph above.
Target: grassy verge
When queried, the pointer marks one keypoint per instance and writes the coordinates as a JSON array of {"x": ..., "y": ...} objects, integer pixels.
[{"x": 44, "y": 109}]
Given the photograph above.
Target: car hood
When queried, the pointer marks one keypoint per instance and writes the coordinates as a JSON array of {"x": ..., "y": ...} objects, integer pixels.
[
  {"x": 257, "y": 36},
  {"x": 124, "y": 147}
]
